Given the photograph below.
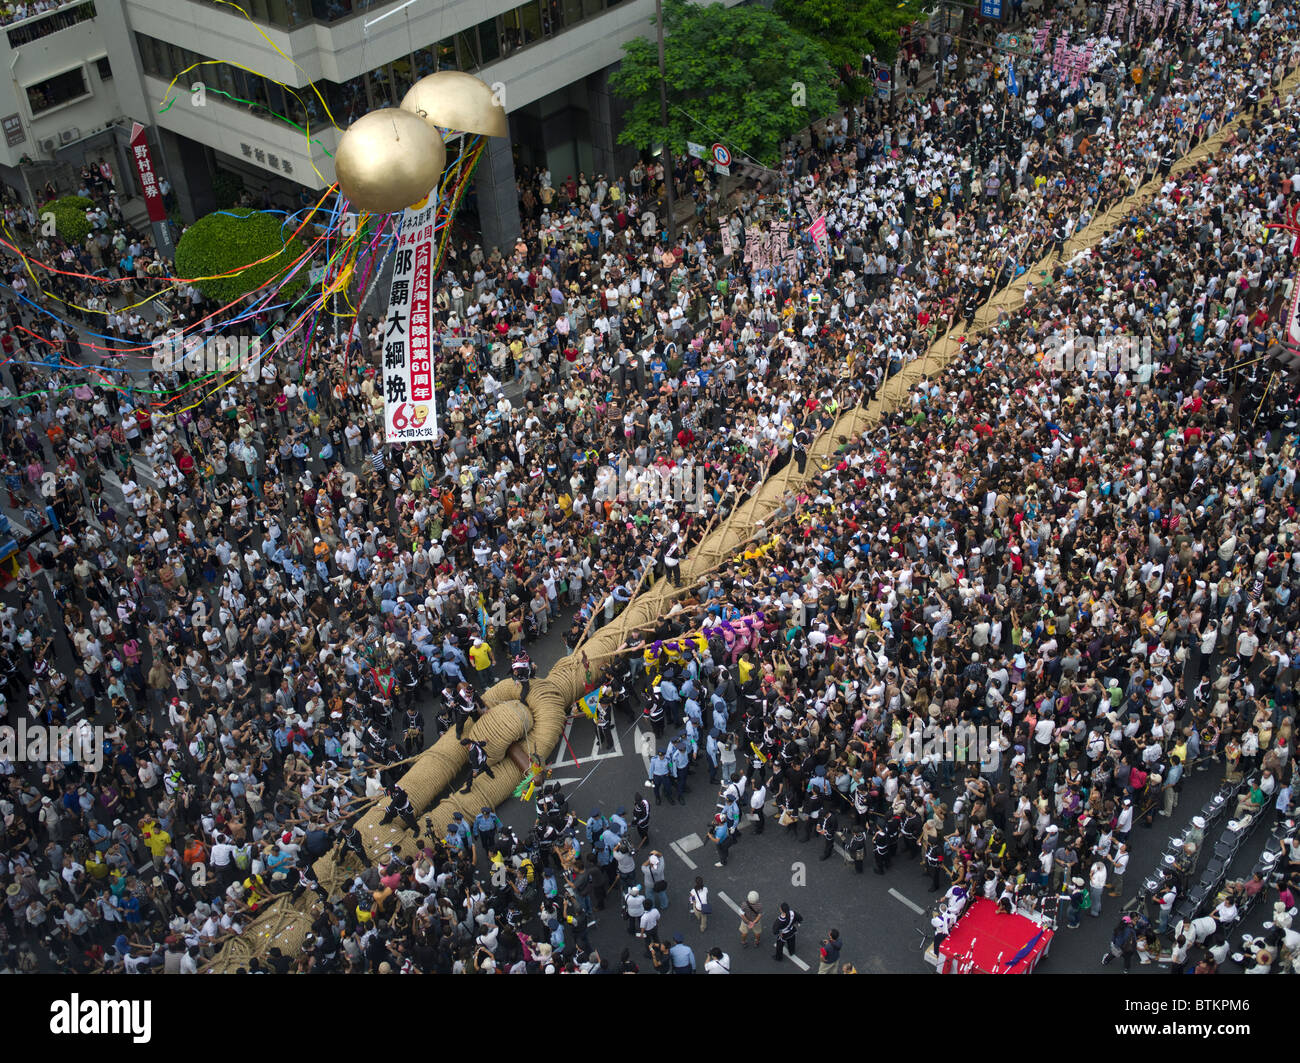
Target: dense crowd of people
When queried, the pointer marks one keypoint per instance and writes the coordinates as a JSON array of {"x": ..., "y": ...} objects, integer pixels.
[{"x": 1095, "y": 565}]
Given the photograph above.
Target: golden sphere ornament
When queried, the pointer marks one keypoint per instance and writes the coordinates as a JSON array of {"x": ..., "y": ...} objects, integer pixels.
[
  {"x": 388, "y": 160},
  {"x": 451, "y": 99}
]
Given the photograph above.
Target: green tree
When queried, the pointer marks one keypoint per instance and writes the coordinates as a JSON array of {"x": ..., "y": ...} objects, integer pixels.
[
  {"x": 736, "y": 75},
  {"x": 225, "y": 241},
  {"x": 70, "y": 223},
  {"x": 847, "y": 30}
]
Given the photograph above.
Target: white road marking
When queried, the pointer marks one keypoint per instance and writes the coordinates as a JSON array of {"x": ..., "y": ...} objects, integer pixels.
[
  {"x": 736, "y": 908},
  {"x": 645, "y": 741},
  {"x": 911, "y": 904},
  {"x": 690, "y": 843},
  {"x": 564, "y": 755},
  {"x": 682, "y": 856}
]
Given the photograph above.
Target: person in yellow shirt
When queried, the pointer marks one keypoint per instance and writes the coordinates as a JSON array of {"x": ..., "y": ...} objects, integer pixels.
[
  {"x": 156, "y": 838},
  {"x": 95, "y": 866},
  {"x": 746, "y": 669},
  {"x": 480, "y": 655}
]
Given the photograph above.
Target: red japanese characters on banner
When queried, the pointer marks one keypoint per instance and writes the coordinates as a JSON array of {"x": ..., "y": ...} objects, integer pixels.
[
  {"x": 421, "y": 359},
  {"x": 410, "y": 412},
  {"x": 148, "y": 179}
]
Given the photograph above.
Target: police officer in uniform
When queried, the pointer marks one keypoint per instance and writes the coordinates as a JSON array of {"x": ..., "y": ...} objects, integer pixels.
[
  {"x": 478, "y": 762},
  {"x": 486, "y": 824},
  {"x": 400, "y": 805}
]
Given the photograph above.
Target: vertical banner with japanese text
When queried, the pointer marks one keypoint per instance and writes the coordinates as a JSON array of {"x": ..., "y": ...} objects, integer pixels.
[
  {"x": 409, "y": 410},
  {"x": 153, "y": 197}
]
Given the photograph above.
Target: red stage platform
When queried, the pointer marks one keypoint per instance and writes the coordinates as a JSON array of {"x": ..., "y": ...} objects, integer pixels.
[{"x": 985, "y": 941}]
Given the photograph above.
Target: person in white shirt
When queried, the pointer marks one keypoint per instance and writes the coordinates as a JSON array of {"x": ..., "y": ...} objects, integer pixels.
[
  {"x": 718, "y": 962},
  {"x": 1096, "y": 886}
]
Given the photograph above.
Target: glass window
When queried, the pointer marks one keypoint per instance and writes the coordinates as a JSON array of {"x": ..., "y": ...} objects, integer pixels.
[
  {"x": 488, "y": 41},
  {"x": 381, "y": 84},
  {"x": 402, "y": 80},
  {"x": 591, "y": 8},
  {"x": 571, "y": 11},
  {"x": 148, "y": 55},
  {"x": 348, "y": 101},
  {"x": 104, "y": 69},
  {"x": 279, "y": 13},
  {"x": 447, "y": 55},
  {"x": 426, "y": 61},
  {"x": 512, "y": 37},
  {"x": 467, "y": 53},
  {"x": 530, "y": 21},
  {"x": 225, "y": 75},
  {"x": 62, "y": 88}
]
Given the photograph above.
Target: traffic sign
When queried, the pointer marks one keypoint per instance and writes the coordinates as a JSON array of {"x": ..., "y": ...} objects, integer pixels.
[{"x": 721, "y": 155}]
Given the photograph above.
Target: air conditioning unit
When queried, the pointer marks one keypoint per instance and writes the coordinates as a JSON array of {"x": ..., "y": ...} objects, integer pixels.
[
  {"x": 69, "y": 135},
  {"x": 48, "y": 144}
]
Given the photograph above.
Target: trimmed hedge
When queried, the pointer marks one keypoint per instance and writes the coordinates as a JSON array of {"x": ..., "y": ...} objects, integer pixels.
[
  {"x": 228, "y": 239},
  {"x": 70, "y": 223}
]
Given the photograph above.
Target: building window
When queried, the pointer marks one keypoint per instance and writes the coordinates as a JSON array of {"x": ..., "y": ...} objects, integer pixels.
[
  {"x": 52, "y": 23},
  {"x": 467, "y": 53},
  {"x": 60, "y": 89},
  {"x": 104, "y": 69},
  {"x": 489, "y": 41}
]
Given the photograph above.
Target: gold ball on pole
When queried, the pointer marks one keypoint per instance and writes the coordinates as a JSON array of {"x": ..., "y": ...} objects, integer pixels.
[
  {"x": 451, "y": 99},
  {"x": 388, "y": 160}
]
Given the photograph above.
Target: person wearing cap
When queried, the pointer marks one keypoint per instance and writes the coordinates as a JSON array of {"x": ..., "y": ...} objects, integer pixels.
[
  {"x": 662, "y": 773},
  {"x": 751, "y": 920},
  {"x": 484, "y": 661},
  {"x": 682, "y": 956},
  {"x": 486, "y": 825}
]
